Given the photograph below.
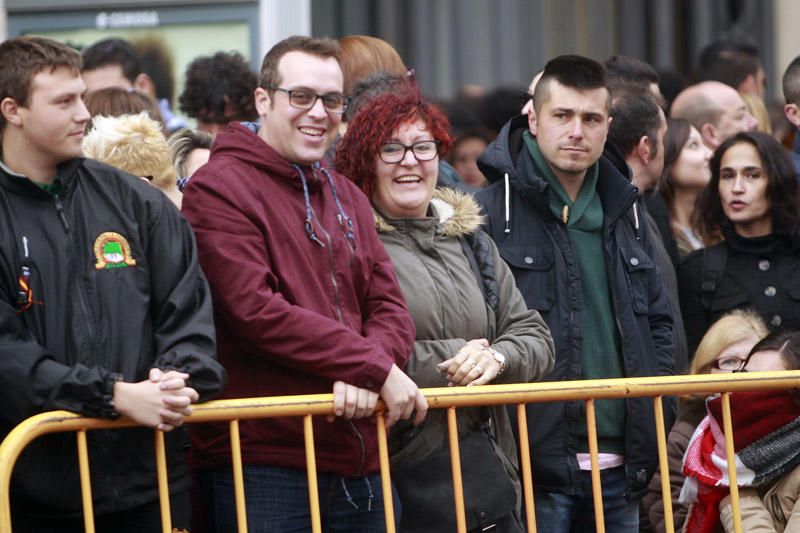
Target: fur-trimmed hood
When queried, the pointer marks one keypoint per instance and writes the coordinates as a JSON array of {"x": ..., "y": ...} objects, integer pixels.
[{"x": 458, "y": 214}]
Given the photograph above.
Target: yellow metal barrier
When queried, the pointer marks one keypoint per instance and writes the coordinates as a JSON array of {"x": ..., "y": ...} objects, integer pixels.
[{"x": 450, "y": 398}]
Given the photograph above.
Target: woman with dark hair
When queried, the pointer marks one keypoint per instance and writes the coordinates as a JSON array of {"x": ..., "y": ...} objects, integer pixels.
[
  {"x": 686, "y": 173},
  {"x": 748, "y": 217},
  {"x": 472, "y": 324},
  {"x": 766, "y": 436}
]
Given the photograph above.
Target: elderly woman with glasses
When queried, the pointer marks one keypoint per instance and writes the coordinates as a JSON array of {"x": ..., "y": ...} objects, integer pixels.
[{"x": 472, "y": 325}]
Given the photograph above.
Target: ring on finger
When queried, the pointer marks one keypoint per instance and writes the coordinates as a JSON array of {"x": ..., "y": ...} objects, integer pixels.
[
  {"x": 472, "y": 363},
  {"x": 478, "y": 369}
]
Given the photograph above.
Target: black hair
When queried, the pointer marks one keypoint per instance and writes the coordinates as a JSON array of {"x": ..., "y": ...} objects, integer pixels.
[
  {"x": 782, "y": 192},
  {"x": 157, "y": 63},
  {"x": 728, "y": 61},
  {"x": 624, "y": 71},
  {"x": 636, "y": 113},
  {"x": 113, "y": 51},
  {"x": 786, "y": 343},
  {"x": 791, "y": 82},
  {"x": 573, "y": 71},
  {"x": 367, "y": 89},
  {"x": 219, "y": 89}
]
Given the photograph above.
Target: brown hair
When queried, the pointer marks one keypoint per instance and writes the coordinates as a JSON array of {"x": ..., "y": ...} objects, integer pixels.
[
  {"x": 115, "y": 101},
  {"x": 25, "y": 57},
  {"x": 322, "y": 47},
  {"x": 362, "y": 56}
]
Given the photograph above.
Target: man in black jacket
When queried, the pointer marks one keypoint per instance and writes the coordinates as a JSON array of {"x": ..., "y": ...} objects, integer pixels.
[
  {"x": 104, "y": 310},
  {"x": 566, "y": 220}
]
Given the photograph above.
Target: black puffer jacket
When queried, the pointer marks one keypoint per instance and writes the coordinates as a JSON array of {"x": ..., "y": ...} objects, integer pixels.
[
  {"x": 537, "y": 247},
  {"x": 116, "y": 290}
]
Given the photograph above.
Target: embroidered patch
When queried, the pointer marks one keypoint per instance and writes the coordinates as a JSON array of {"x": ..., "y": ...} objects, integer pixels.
[{"x": 112, "y": 250}]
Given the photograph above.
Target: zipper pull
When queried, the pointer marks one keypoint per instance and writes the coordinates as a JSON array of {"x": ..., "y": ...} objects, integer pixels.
[{"x": 61, "y": 214}]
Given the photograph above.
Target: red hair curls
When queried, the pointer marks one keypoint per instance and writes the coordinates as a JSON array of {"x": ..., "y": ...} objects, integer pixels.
[{"x": 375, "y": 123}]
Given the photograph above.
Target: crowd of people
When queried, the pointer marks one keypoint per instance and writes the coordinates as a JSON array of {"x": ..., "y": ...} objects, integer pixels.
[{"x": 327, "y": 229}]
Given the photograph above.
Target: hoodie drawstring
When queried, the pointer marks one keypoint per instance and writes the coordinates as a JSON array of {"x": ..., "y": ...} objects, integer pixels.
[
  {"x": 507, "y": 203},
  {"x": 344, "y": 221}
]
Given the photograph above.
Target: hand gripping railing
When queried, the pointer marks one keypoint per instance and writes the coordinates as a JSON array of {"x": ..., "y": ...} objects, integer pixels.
[{"x": 450, "y": 398}]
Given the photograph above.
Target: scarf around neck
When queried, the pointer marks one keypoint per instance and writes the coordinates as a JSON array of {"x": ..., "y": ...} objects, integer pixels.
[{"x": 766, "y": 436}]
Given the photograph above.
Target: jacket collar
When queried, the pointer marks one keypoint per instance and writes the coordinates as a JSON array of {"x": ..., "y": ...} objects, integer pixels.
[
  {"x": 506, "y": 156},
  {"x": 241, "y": 141},
  {"x": 454, "y": 214},
  {"x": 21, "y": 184}
]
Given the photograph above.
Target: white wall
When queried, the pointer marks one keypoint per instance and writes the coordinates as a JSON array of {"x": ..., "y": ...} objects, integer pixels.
[
  {"x": 787, "y": 38},
  {"x": 280, "y": 19}
]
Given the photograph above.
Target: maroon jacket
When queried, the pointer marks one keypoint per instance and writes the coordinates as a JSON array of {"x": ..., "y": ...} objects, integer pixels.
[{"x": 293, "y": 316}]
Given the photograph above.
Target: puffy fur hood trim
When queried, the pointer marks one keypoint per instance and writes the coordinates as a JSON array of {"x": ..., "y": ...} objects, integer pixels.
[{"x": 458, "y": 212}]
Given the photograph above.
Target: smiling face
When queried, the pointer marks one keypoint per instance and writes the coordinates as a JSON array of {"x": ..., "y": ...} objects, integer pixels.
[
  {"x": 300, "y": 135},
  {"x": 743, "y": 191},
  {"x": 691, "y": 170},
  {"x": 571, "y": 128},
  {"x": 404, "y": 189}
]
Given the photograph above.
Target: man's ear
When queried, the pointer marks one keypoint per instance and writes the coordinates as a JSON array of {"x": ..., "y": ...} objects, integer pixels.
[
  {"x": 10, "y": 110},
  {"x": 709, "y": 134},
  {"x": 643, "y": 150},
  {"x": 532, "y": 121},
  {"x": 792, "y": 112},
  {"x": 262, "y": 101}
]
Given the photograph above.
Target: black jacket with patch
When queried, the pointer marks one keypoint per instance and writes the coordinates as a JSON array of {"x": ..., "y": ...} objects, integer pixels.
[
  {"x": 115, "y": 290},
  {"x": 537, "y": 247}
]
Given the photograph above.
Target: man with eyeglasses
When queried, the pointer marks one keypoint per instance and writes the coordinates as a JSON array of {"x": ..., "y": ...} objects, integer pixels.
[{"x": 306, "y": 301}]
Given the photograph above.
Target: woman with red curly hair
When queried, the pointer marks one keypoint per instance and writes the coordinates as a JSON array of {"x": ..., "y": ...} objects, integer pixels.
[{"x": 472, "y": 325}]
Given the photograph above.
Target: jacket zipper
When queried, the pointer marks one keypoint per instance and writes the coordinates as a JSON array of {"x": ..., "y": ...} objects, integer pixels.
[
  {"x": 87, "y": 321},
  {"x": 340, "y": 316}
]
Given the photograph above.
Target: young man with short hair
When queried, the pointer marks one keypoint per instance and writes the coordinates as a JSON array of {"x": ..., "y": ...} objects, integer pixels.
[
  {"x": 104, "y": 310},
  {"x": 306, "y": 301},
  {"x": 566, "y": 220}
]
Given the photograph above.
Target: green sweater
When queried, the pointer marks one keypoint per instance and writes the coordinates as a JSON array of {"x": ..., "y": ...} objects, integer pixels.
[{"x": 600, "y": 351}]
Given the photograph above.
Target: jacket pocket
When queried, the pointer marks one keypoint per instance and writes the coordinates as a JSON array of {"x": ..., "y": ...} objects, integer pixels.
[
  {"x": 532, "y": 267},
  {"x": 638, "y": 267}
]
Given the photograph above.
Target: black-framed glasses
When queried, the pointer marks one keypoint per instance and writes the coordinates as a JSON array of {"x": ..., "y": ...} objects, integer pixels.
[
  {"x": 730, "y": 364},
  {"x": 395, "y": 152},
  {"x": 306, "y": 98}
]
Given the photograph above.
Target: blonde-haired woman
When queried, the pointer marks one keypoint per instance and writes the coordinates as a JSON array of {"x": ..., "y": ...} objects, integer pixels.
[{"x": 723, "y": 348}]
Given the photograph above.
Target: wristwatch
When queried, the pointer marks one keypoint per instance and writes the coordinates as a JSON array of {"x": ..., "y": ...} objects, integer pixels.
[{"x": 500, "y": 358}]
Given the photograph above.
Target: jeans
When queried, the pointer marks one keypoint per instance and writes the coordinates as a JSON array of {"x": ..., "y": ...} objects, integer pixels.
[
  {"x": 562, "y": 513},
  {"x": 277, "y": 501}
]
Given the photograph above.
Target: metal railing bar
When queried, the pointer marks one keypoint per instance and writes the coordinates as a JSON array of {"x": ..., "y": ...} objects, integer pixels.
[
  {"x": 663, "y": 462},
  {"x": 597, "y": 488},
  {"x": 525, "y": 467},
  {"x": 86, "y": 482},
  {"x": 386, "y": 477},
  {"x": 238, "y": 477},
  {"x": 163, "y": 483},
  {"x": 311, "y": 465}
]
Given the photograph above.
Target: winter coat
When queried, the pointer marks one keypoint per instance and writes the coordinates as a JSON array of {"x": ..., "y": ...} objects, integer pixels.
[
  {"x": 778, "y": 510},
  {"x": 536, "y": 246},
  {"x": 449, "y": 308},
  {"x": 116, "y": 289},
  {"x": 759, "y": 273},
  {"x": 298, "y": 304}
]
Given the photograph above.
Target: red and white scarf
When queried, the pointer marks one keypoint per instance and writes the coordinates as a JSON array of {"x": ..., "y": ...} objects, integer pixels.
[{"x": 766, "y": 443}]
